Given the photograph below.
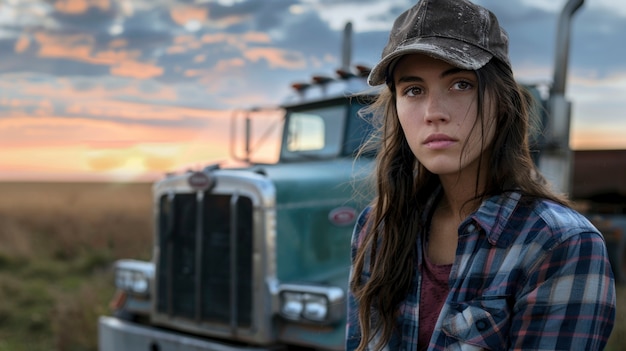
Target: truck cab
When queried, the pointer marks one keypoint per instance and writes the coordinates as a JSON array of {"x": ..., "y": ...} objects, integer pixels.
[{"x": 256, "y": 256}]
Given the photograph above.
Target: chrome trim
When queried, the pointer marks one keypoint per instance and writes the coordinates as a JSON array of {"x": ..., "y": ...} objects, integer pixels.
[
  {"x": 261, "y": 191},
  {"x": 334, "y": 294},
  {"x": 136, "y": 303},
  {"x": 234, "y": 278},
  {"x": 142, "y": 266},
  {"x": 199, "y": 256},
  {"x": 336, "y": 298},
  {"x": 118, "y": 335},
  {"x": 170, "y": 202}
]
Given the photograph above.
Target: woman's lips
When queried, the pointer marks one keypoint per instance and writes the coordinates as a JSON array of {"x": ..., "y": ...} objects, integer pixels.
[{"x": 439, "y": 141}]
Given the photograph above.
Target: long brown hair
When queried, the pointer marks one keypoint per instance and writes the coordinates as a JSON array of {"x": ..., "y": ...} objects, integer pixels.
[{"x": 404, "y": 186}]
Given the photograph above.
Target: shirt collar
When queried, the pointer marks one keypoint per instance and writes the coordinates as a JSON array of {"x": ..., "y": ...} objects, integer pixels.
[{"x": 493, "y": 215}]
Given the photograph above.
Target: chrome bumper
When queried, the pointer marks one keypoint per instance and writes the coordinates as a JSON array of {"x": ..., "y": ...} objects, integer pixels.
[{"x": 118, "y": 335}]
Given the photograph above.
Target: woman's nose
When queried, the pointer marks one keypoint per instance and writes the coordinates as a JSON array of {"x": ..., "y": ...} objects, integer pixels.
[{"x": 436, "y": 111}]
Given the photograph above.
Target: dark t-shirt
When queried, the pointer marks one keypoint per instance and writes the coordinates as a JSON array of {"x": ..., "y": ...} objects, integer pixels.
[{"x": 432, "y": 297}]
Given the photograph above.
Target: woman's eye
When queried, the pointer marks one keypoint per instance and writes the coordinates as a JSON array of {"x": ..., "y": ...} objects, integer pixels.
[
  {"x": 462, "y": 85},
  {"x": 412, "y": 91}
]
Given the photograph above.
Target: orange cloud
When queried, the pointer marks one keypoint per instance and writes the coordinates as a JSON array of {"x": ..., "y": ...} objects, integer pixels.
[
  {"x": 80, "y": 6},
  {"x": 51, "y": 145},
  {"x": 226, "y": 22},
  {"x": 238, "y": 40},
  {"x": 183, "y": 43},
  {"x": 154, "y": 158},
  {"x": 118, "y": 43},
  {"x": 81, "y": 48},
  {"x": 105, "y": 163},
  {"x": 277, "y": 57},
  {"x": 77, "y": 46},
  {"x": 139, "y": 70},
  {"x": 45, "y": 131},
  {"x": 62, "y": 89},
  {"x": 115, "y": 56},
  {"x": 256, "y": 37},
  {"x": 61, "y": 148},
  {"x": 156, "y": 163},
  {"x": 181, "y": 15},
  {"x": 134, "y": 111},
  {"x": 215, "y": 38},
  {"x": 61, "y": 96},
  {"x": 229, "y": 64},
  {"x": 38, "y": 159},
  {"x": 22, "y": 43}
]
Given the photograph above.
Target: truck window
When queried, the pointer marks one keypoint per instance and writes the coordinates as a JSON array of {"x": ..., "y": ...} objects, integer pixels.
[
  {"x": 359, "y": 129},
  {"x": 314, "y": 133},
  {"x": 306, "y": 133}
]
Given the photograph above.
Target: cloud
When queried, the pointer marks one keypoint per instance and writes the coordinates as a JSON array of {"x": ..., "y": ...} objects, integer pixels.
[
  {"x": 183, "y": 15},
  {"x": 532, "y": 29},
  {"x": 72, "y": 7},
  {"x": 139, "y": 70},
  {"x": 276, "y": 58},
  {"x": 597, "y": 42},
  {"x": 106, "y": 162},
  {"x": 122, "y": 100},
  {"x": 111, "y": 75}
]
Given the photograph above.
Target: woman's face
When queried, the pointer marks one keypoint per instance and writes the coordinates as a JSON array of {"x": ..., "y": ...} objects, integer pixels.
[{"x": 437, "y": 109}]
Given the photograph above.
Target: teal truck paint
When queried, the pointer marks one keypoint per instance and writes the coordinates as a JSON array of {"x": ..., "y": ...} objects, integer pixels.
[{"x": 307, "y": 246}]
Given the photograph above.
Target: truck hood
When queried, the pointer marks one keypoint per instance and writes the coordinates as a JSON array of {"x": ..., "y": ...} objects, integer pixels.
[
  {"x": 332, "y": 179},
  {"x": 311, "y": 245}
]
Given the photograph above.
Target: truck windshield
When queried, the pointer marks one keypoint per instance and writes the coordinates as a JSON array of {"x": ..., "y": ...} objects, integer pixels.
[{"x": 314, "y": 133}]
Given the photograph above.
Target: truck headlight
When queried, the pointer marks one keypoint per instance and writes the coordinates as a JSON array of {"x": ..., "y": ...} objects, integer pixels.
[
  {"x": 311, "y": 303},
  {"x": 134, "y": 276}
]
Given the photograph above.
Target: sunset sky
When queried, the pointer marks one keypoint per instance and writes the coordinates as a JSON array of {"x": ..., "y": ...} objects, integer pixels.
[{"x": 131, "y": 89}]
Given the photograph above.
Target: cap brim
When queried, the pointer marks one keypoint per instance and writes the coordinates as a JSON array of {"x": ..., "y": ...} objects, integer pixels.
[{"x": 454, "y": 52}]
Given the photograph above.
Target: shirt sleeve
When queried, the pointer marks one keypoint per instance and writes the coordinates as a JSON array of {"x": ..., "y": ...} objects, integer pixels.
[
  {"x": 568, "y": 302},
  {"x": 353, "y": 331}
]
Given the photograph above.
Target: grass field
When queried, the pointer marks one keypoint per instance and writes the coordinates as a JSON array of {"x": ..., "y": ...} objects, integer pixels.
[{"x": 57, "y": 244}]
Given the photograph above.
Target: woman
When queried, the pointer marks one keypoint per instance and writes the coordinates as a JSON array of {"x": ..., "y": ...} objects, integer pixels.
[{"x": 465, "y": 247}]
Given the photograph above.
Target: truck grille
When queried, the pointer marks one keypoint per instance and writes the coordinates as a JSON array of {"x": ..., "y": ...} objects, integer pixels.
[{"x": 204, "y": 270}]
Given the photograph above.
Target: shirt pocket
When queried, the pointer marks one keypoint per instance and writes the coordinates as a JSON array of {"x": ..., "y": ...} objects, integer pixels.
[{"x": 483, "y": 322}]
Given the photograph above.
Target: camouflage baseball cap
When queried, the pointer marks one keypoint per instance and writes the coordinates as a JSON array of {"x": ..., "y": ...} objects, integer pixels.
[{"x": 456, "y": 31}]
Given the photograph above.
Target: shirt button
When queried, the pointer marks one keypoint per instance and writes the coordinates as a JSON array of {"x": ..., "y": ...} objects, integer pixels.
[
  {"x": 471, "y": 228},
  {"x": 481, "y": 325}
]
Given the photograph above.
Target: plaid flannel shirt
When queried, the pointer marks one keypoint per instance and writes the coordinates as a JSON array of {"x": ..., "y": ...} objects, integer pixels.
[{"x": 527, "y": 276}]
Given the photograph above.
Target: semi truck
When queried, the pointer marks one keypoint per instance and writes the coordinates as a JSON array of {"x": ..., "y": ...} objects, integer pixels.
[
  {"x": 254, "y": 257},
  {"x": 257, "y": 257}
]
